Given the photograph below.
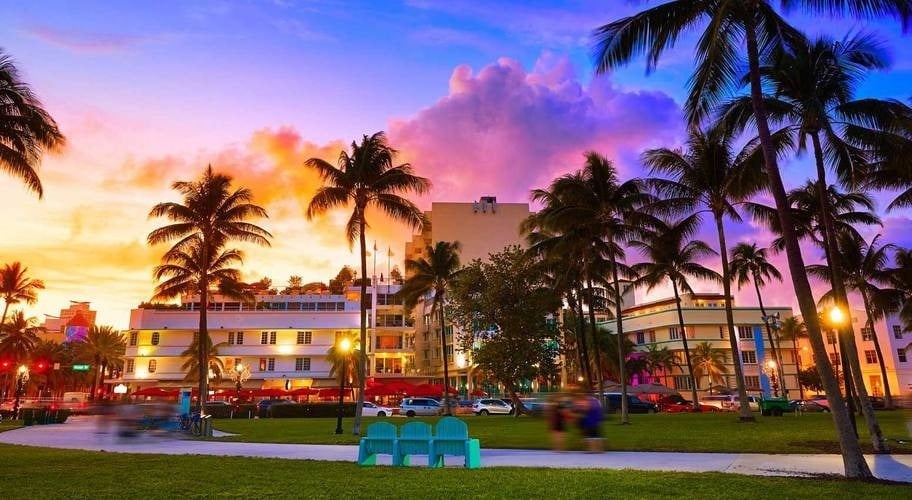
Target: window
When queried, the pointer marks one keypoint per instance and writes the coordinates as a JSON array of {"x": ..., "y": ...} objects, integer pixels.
[
  {"x": 870, "y": 357},
  {"x": 156, "y": 337},
  {"x": 752, "y": 382},
  {"x": 652, "y": 335},
  {"x": 240, "y": 338},
  {"x": 262, "y": 364},
  {"x": 745, "y": 332},
  {"x": 834, "y": 358},
  {"x": 305, "y": 337},
  {"x": 270, "y": 366},
  {"x": 427, "y": 319},
  {"x": 230, "y": 338},
  {"x": 673, "y": 333},
  {"x": 867, "y": 334},
  {"x": 749, "y": 357},
  {"x": 130, "y": 364},
  {"x": 272, "y": 338},
  {"x": 897, "y": 332},
  {"x": 831, "y": 338},
  {"x": 682, "y": 382},
  {"x": 302, "y": 364},
  {"x": 153, "y": 365},
  {"x": 901, "y": 354},
  {"x": 134, "y": 336},
  {"x": 641, "y": 337}
]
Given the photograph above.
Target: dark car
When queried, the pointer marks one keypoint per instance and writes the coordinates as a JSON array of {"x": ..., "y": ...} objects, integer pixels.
[
  {"x": 808, "y": 406},
  {"x": 265, "y": 404},
  {"x": 634, "y": 404}
]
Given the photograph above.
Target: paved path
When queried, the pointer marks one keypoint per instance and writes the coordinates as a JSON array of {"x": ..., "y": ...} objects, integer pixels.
[{"x": 80, "y": 433}]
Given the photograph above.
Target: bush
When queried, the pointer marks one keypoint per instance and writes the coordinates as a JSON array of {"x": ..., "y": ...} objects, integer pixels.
[
  {"x": 44, "y": 415},
  {"x": 225, "y": 411},
  {"x": 311, "y": 410}
]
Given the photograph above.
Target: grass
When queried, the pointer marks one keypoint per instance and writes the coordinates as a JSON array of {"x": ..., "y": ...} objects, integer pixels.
[
  {"x": 685, "y": 432},
  {"x": 7, "y": 425},
  {"x": 30, "y": 472}
]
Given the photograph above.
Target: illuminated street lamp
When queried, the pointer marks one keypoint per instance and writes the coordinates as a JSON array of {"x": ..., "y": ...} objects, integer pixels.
[
  {"x": 22, "y": 376},
  {"x": 838, "y": 319},
  {"x": 344, "y": 347},
  {"x": 239, "y": 375},
  {"x": 770, "y": 368}
]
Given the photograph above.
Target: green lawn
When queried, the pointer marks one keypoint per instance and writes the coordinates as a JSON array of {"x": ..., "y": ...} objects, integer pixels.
[
  {"x": 6, "y": 425},
  {"x": 660, "y": 432},
  {"x": 45, "y": 473}
]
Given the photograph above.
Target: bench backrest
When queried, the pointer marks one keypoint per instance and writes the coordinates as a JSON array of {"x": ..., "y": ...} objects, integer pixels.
[
  {"x": 451, "y": 428},
  {"x": 381, "y": 430},
  {"x": 414, "y": 438}
]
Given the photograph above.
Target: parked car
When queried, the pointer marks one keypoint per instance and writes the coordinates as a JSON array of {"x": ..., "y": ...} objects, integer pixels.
[
  {"x": 808, "y": 406},
  {"x": 372, "y": 410},
  {"x": 264, "y": 405},
  {"x": 729, "y": 402},
  {"x": 677, "y": 404},
  {"x": 634, "y": 404},
  {"x": 411, "y": 407},
  {"x": 489, "y": 406},
  {"x": 534, "y": 406}
]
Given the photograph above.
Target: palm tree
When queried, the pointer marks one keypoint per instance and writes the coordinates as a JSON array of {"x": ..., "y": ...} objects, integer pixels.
[
  {"x": 210, "y": 217},
  {"x": 709, "y": 175},
  {"x": 756, "y": 24},
  {"x": 104, "y": 348},
  {"x": 434, "y": 274},
  {"x": 793, "y": 329},
  {"x": 19, "y": 336},
  {"x": 215, "y": 367},
  {"x": 26, "y": 128},
  {"x": 659, "y": 359},
  {"x": 672, "y": 256},
  {"x": 16, "y": 287},
  {"x": 336, "y": 357},
  {"x": 367, "y": 178},
  {"x": 709, "y": 362},
  {"x": 749, "y": 263},
  {"x": 44, "y": 355}
]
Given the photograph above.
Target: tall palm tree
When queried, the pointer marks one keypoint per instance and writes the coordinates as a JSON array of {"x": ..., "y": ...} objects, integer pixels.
[
  {"x": 351, "y": 358},
  {"x": 43, "y": 356},
  {"x": 215, "y": 367},
  {"x": 16, "y": 287},
  {"x": 749, "y": 263},
  {"x": 104, "y": 348},
  {"x": 759, "y": 27},
  {"x": 19, "y": 336},
  {"x": 659, "y": 359},
  {"x": 434, "y": 274},
  {"x": 793, "y": 329},
  {"x": 27, "y": 130},
  {"x": 709, "y": 175},
  {"x": 209, "y": 217},
  {"x": 672, "y": 257},
  {"x": 709, "y": 362},
  {"x": 367, "y": 177}
]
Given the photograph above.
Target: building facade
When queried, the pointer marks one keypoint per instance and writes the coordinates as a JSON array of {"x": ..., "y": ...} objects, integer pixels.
[{"x": 71, "y": 325}]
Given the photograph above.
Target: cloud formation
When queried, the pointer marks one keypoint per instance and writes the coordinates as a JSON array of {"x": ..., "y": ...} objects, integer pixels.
[
  {"x": 505, "y": 130},
  {"x": 82, "y": 41}
]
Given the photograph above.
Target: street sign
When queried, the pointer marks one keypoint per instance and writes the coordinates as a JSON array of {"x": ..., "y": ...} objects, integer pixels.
[{"x": 81, "y": 368}]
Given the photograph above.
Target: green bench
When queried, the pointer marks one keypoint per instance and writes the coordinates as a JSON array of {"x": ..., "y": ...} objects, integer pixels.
[{"x": 450, "y": 438}]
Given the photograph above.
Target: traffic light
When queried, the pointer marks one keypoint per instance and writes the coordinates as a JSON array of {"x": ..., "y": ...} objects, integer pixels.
[
  {"x": 40, "y": 366},
  {"x": 5, "y": 364}
]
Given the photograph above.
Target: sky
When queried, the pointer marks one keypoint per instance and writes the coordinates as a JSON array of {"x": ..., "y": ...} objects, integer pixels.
[{"x": 483, "y": 98}]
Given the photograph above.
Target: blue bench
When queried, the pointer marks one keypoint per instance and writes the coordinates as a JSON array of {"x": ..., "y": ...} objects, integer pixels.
[
  {"x": 450, "y": 438},
  {"x": 381, "y": 439}
]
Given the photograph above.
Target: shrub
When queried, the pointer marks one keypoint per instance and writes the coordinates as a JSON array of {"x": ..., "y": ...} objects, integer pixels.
[
  {"x": 311, "y": 410},
  {"x": 225, "y": 411}
]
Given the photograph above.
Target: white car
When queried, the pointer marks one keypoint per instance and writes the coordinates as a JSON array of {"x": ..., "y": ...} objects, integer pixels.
[
  {"x": 491, "y": 407},
  {"x": 372, "y": 410}
]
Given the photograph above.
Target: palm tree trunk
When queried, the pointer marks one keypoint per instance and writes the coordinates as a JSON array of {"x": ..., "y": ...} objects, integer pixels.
[
  {"x": 780, "y": 369},
  {"x": 888, "y": 398},
  {"x": 101, "y": 380},
  {"x": 579, "y": 349},
  {"x": 596, "y": 347},
  {"x": 850, "y": 351},
  {"x": 797, "y": 365},
  {"x": 5, "y": 310},
  {"x": 853, "y": 459},
  {"x": 745, "y": 412},
  {"x": 619, "y": 325},
  {"x": 356, "y": 427},
  {"x": 446, "y": 361},
  {"x": 94, "y": 379},
  {"x": 690, "y": 370},
  {"x": 581, "y": 327},
  {"x": 202, "y": 359}
]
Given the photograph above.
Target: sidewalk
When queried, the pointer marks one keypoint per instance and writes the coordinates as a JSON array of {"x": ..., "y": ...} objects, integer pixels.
[{"x": 80, "y": 433}]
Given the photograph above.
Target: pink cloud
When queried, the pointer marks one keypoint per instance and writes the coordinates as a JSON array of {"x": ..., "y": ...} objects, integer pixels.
[
  {"x": 81, "y": 41},
  {"x": 504, "y": 131}
]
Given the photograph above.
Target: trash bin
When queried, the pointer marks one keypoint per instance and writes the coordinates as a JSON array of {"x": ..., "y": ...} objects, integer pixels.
[
  {"x": 774, "y": 407},
  {"x": 206, "y": 426}
]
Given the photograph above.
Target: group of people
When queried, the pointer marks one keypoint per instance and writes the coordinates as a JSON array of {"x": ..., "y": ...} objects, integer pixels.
[{"x": 585, "y": 411}]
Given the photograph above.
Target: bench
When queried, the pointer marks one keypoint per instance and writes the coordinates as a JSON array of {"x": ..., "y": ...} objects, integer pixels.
[
  {"x": 381, "y": 439},
  {"x": 451, "y": 437},
  {"x": 414, "y": 439}
]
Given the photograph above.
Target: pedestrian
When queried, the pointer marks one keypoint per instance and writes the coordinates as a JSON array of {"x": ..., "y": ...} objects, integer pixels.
[
  {"x": 590, "y": 422},
  {"x": 557, "y": 421}
]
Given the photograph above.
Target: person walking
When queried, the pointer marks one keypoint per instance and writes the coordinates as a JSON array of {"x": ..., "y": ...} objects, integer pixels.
[{"x": 590, "y": 423}]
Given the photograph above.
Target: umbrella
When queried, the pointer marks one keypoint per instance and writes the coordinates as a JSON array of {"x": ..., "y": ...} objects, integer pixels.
[
  {"x": 304, "y": 391},
  {"x": 478, "y": 393},
  {"x": 333, "y": 393},
  {"x": 431, "y": 390},
  {"x": 653, "y": 388},
  {"x": 269, "y": 393},
  {"x": 156, "y": 391}
]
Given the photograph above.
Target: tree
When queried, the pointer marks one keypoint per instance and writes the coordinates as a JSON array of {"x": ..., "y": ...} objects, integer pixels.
[
  {"x": 19, "y": 336},
  {"x": 672, "y": 256},
  {"x": 756, "y": 24},
  {"x": 104, "y": 348},
  {"x": 210, "y": 216},
  {"x": 659, "y": 359},
  {"x": 709, "y": 362},
  {"x": 793, "y": 329},
  {"x": 27, "y": 130},
  {"x": 434, "y": 275},
  {"x": 337, "y": 285},
  {"x": 749, "y": 263},
  {"x": 295, "y": 286},
  {"x": 43, "y": 356},
  {"x": 709, "y": 175},
  {"x": 502, "y": 307},
  {"x": 810, "y": 378},
  {"x": 901, "y": 279},
  {"x": 336, "y": 357},
  {"x": 367, "y": 177},
  {"x": 215, "y": 368},
  {"x": 16, "y": 287}
]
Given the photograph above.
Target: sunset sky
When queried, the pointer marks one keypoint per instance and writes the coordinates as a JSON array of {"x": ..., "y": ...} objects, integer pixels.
[{"x": 484, "y": 98}]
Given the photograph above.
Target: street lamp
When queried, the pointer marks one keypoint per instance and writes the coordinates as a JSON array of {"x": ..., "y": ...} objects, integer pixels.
[
  {"x": 770, "y": 369},
  {"x": 240, "y": 374},
  {"x": 838, "y": 319},
  {"x": 22, "y": 376},
  {"x": 343, "y": 348}
]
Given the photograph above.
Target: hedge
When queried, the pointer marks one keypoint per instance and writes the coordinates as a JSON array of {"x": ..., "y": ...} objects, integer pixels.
[
  {"x": 310, "y": 410},
  {"x": 41, "y": 416}
]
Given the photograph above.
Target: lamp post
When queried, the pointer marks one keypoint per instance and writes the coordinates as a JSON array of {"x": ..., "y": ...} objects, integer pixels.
[
  {"x": 22, "y": 376},
  {"x": 343, "y": 348},
  {"x": 773, "y": 325},
  {"x": 240, "y": 374},
  {"x": 837, "y": 319},
  {"x": 770, "y": 367}
]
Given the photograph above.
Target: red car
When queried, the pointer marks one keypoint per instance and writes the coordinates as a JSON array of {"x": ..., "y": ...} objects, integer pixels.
[{"x": 678, "y": 404}]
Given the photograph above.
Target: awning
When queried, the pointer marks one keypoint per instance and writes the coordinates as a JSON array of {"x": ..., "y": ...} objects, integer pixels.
[
  {"x": 303, "y": 391},
  {"x": 156, "y": 392}
]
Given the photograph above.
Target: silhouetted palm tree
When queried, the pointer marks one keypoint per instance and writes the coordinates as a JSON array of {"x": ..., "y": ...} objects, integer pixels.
[
  {"x": 210, "y": 216},
  {"x": 793, "y": 329},
  {"x": 433, "y": 275},
  {"x": 19, "y": 336},
  {"x": 215, "y": 367},
  {"x": 16, "y": 287},
  {"x": 659, "y": 359},
  {"x": 709, "y": 362},
  {"x": 672, "y": 256},
  {"x": 27, "y": 130},
  {"x": 352, "y": 357},
  {"x": 104, "y": 348},
  {"x": 367, "y": 177}
]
